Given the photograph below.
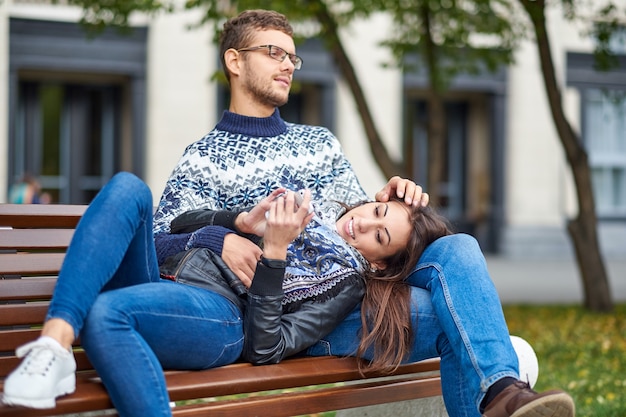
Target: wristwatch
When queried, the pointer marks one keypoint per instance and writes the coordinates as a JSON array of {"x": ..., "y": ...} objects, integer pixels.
[{"x": 273, "y": 263}]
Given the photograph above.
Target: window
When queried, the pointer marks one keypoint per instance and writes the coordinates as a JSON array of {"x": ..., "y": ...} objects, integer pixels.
[
  {"x": 604, "y": 134},
  {"x": 452, "y": 189},
  {"x": 67, "y": 135},
  {"x": 75, "y": 118}
]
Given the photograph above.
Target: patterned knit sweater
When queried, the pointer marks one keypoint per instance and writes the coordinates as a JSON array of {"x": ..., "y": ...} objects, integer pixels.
[
  {"x": 239, "y": 163},
  {"x": 244, "y": 158}
]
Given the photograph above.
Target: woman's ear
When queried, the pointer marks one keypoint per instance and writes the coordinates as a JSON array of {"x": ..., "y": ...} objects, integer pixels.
[{"x": 378, "y": 265}]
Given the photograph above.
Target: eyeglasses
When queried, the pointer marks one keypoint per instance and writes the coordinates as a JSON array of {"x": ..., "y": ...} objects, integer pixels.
[{"x": 277, "y": 53}]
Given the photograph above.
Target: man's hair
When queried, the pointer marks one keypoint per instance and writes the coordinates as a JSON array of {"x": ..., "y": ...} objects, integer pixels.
[{"x": 239, "y": 31}]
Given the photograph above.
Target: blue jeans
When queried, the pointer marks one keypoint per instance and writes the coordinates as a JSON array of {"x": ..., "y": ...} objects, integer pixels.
[
  {"x": 457, "y": 315},
  {"x": 131, "y": 323}
]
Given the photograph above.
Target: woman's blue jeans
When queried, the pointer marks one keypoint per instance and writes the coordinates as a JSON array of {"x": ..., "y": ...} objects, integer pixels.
[
  {"x": 457, "y": 315},
  {"x": 131, "y": 323}
]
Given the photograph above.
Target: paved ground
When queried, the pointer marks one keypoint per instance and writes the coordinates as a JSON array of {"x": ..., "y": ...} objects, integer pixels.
[{"x": 548, "y": 281}]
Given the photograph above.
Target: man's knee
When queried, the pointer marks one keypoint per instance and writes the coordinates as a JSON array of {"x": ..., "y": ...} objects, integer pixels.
[{"x": 457, "y": 248}]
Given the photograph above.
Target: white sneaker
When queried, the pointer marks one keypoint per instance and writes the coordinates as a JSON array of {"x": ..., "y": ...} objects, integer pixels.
[{"x": 47, "y": 372}]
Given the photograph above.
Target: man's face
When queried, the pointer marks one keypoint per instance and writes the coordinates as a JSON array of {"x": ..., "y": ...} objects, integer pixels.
[{"x": 265, "y": 79}]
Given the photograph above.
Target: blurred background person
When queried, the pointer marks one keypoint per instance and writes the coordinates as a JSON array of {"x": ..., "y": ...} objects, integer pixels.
[{"x": 28, "y": 191}]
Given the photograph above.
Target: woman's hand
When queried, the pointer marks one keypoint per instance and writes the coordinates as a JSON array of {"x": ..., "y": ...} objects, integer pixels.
[
  {"x": 403, "y": 188},
  {"x": 285, "y": 222},
  {"x": 254, "y": 221}
]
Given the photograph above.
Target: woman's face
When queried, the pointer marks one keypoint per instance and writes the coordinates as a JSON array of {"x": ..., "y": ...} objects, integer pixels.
[{"x": 377, "y": 230}]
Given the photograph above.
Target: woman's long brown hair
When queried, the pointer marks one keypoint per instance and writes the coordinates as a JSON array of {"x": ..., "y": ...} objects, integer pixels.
[{"x": 386, "y": 307}]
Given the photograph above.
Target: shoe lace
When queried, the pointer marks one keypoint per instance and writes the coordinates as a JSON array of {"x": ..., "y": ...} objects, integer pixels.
[
  {"x": 527, "y": 382},
  {"x": 38, "y": 357},
  {"x": 523, "y": 385}
]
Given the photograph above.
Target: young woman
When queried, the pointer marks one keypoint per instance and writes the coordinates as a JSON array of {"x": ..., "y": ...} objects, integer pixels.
[
  {"x": 109, "y": 292},
  {"x": 339, "y": 247}
]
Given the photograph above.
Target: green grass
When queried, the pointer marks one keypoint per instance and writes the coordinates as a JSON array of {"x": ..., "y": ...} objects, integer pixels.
[{"x": 579, "y": 351}]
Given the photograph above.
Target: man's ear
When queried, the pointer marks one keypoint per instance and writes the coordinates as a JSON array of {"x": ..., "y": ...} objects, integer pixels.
[{"x": 232, "y": 59}]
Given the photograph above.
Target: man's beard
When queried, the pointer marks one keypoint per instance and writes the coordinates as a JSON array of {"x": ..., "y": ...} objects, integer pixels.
[{"x": 265, "y": 95}]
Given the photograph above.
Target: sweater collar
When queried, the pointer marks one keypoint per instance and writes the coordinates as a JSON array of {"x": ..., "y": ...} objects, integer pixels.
[{"x": 252, "y": 126}]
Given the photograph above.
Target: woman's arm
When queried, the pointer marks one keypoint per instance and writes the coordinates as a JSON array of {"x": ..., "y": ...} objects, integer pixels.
[
  {"x": 272, "y": 336},
  {"x": 193, "y": 220}
]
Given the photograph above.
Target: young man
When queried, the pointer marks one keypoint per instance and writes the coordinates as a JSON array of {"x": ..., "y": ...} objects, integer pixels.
[{"x": 252, "y": 151}]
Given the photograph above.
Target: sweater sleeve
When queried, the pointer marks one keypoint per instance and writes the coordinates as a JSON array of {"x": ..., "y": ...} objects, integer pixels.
[{"x": 211, "y": 237}]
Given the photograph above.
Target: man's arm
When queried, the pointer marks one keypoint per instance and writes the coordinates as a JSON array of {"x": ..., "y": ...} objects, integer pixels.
[{"x": 211, "y": 237}]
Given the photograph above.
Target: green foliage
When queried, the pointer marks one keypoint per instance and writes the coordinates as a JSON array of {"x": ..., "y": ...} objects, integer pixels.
[
  {"x": 468, "y": 36},
  {"x": 458, "y": 36},
  {"x": 603, "y": 31},
  {"x": 98, "y": 14},
  {"x": 579, "y": 351}
]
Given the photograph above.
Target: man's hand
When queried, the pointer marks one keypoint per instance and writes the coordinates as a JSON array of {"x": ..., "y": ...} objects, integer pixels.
[
  {"x": 241, "y": 256},
  {"x": 403, "y": 188}
]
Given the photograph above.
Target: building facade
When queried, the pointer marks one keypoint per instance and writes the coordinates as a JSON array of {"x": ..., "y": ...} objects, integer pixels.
[{"x": 76, "y": 108}]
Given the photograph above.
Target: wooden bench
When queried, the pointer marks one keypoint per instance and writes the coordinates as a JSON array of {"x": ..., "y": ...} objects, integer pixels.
[{"x": 33, "y": 240}]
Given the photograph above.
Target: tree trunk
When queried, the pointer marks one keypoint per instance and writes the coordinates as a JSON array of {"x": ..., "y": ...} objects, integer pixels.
[
  {"x": 436, "y": 113},
  {"x": 582, "y": 229},
  {"x": 388, "y": 166},
  {"x": 436, "y": 146}
]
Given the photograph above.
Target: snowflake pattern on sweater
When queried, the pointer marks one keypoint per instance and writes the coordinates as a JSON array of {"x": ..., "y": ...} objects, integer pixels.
[{"x": 244, "y": 158}]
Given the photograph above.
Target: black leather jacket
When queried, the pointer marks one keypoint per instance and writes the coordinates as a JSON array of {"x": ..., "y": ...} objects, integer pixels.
[{"x": 271, "y": 332}]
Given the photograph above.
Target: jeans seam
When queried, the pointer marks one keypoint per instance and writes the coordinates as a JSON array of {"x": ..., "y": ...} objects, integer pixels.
[{"x": 485, "y": 383}]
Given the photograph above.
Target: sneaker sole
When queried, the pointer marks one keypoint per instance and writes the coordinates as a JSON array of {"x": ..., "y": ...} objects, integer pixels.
[
  {"x": 65, "y": 386},
  {"x": 557, "y": 405}
]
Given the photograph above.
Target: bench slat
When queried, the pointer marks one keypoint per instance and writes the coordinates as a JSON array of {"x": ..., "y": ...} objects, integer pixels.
[
  {"x": 26, "y": 288},
  {"x": 225, "y": 381},
  {"x": 30, "y": 263},
  {"x": 35, "y": 238},
  {"x": 40, "y": 215},
  {"x": 14, "y": 338},
  {"x": 244, "y": 377},
  {"x": 316, "y": 401},
  {"x": 23, "y": 314}
]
